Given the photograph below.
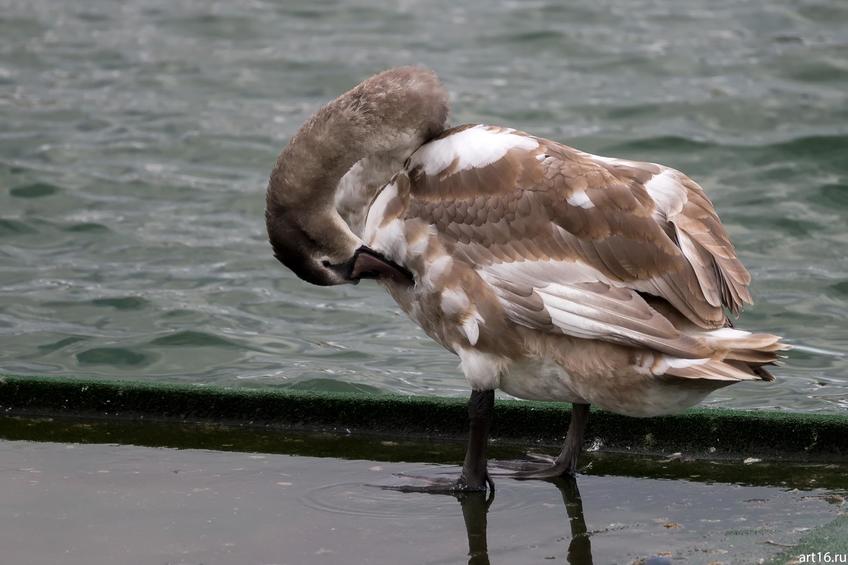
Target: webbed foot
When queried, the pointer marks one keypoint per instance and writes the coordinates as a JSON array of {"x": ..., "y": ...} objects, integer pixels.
[
  {"x": 537, "y": 466},
  {"x": 443, "y": 485}
]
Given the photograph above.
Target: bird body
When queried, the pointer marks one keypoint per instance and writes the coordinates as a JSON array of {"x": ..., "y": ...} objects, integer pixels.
[
  {"x": 558, "y": 275},
  {"x": 553, "y": 274}
]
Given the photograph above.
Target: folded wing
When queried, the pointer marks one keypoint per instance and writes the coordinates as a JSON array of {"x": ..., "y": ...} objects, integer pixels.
[{"x": 581, "y": 244}]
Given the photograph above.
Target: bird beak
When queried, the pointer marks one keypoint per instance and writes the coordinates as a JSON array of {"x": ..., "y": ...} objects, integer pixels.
[{"x": 369, "y": 264}]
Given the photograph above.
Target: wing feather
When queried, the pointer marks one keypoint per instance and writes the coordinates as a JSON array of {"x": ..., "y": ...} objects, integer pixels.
[{"x": 571, "y": 240}]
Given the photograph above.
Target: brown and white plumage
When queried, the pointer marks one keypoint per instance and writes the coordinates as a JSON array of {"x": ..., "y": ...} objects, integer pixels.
[
  {"x": 526, "y": 250},
  {"x": 552, "y": 273}
]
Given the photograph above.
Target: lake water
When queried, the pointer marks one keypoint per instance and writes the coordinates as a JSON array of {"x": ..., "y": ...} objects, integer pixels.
[{"x": 136, "y": 139}]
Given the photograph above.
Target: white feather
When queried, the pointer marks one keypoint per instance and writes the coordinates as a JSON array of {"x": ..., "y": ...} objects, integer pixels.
[
  {"x": 472, "y": 148},
  {"x": 377, "y": 211},
  {"x": 573, "y": 310},
  {"x": 364, "y": 179},
  {"x": 436, "y": 270},
  {"x": 728, "y": 333},
  {"x": 471, "y": 327},
  {"x": 471, "y": 330},
  {"x": 454, "y": 301},
  {"x": 668, "y": 194},
  {"x": 421, "y": 239},
  {"x": 580, "y": 199},
  {"x": 482, "y": 370},
  {"x": 679, "y": 363},
  {"x": 607, "y": 160},
  {"x": 390, "y": 240},
  {"x": 542, "y": 273}
]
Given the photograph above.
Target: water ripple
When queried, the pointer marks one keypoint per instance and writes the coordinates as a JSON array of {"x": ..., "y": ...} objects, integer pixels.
[
  {"x": 138, "y": 137},
  {"x": 357, "y": 499}
]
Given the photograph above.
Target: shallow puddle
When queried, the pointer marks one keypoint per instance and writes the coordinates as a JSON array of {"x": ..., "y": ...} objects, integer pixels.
[{"x": 102, "y": 504}]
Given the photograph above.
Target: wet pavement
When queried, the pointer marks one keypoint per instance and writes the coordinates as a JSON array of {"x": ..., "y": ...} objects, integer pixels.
[{"x": 97, "y": 504}]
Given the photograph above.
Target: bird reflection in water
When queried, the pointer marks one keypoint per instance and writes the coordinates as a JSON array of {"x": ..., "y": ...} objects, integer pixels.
[{"x": 475, "y": 507}]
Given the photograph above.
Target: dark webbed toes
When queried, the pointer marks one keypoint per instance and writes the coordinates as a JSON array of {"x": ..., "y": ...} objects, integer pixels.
[
  {"x": 537, "y": 466},
  {"x": 441, "y": 485}
]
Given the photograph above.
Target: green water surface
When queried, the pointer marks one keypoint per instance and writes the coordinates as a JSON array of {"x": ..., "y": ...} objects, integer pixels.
[{"x": 136, "y": 139}]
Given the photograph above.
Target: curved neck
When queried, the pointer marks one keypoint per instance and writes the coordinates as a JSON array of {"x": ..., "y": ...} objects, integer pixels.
[
  {"x": 310, "y": 166},
  {"x": 301, "y": 190},
  {"x": 393, "y": 111},
  {"x": 390, "y": 114}
]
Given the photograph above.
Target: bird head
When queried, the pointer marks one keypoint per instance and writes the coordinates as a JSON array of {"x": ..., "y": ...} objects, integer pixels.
[{"x": 392, "y": 112}]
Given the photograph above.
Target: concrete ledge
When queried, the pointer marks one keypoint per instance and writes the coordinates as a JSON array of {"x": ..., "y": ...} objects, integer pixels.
[{"x": 712, "y": 432}]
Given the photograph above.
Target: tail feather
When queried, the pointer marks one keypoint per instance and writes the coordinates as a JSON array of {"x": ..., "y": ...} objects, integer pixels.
[
  {"x": 738, "y": 356},
  {"x": 714, "y": 370},
  {"x": 733, "y": 339},
  {"x": 753, "y": 356},
  {"x": 735, "y": 355},
  {"x": 747, "y": 351}
]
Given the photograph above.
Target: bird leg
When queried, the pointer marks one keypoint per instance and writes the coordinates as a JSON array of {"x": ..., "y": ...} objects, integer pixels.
[
  {"x": 475, "y": 506},
  {"x": 475, "y": 476},
  {"x": 580, "y": 547},
  {"x": 566, "y": 462},
  {"x": 481, "y": 407}
]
